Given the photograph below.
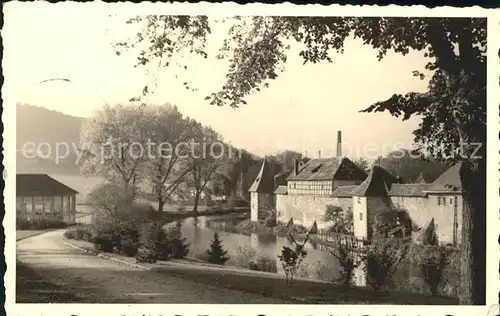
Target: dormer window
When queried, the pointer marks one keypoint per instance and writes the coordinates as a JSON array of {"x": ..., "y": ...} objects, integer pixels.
[{"x": 316, "y": 169}]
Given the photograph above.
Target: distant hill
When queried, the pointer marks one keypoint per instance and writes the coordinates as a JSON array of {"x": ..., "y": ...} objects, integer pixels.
[{"x": 45, "y": 128}]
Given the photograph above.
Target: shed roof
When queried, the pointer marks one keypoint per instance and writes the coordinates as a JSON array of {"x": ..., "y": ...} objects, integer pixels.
[
  {"x": 40, "y": 184},
  {"x": 282, "y": 189}
]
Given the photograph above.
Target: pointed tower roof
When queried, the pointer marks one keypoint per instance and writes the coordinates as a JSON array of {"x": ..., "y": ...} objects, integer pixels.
[
  {"x": 264, "y": 183},
  {"x": 420, "y": 178},
  {"x": 378, "y": 183}
]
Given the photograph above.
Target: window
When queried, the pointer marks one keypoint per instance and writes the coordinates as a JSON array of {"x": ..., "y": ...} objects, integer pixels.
[
  {"x": 28, "y": 204},
  {"x": 316, "y": 169},
  {"x": 439, "y": 200},
  {"x": 444, "y": 201},
  {"x": 19, "y": 204},
  {"x": 451, "y": 201},
  {"x": 47, "y": 204},
  {"x": 38, "y": 205},
  {"x": 359, "y": 200},
  {"x": 360, "y": 216}
]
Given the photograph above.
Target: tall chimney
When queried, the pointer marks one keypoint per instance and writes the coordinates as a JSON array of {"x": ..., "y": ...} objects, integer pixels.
[
  {"x": 295, "y": 166},
  {"x": 339, "y": 144}
]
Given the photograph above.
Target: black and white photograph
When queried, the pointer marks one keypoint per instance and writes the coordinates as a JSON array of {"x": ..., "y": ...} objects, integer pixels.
[{"x": 240, "y": 158}]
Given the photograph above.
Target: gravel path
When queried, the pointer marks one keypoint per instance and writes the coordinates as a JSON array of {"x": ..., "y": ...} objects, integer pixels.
[{"x": 98, "y": 280}]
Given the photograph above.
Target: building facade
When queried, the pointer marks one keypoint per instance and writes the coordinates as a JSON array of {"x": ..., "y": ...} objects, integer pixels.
[
  {"x": 319, "y": 183},
  {"x": 39, "y": 195}
]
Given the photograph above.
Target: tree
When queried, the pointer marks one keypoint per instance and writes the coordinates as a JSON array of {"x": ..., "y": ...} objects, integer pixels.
[
  {"x": 207, "y": 156},
  {"x": 340, "y": 221},
  {"x": 108, "y": 202},
  {"x": 113, "y": 142},
  {"x": 362, "y": 163},
  {"x": 286, "y": 159},
  {"x": 216, "y": 253},
  {"x": 453, "y": 109},
  {"x": 409, "y": 165},
  {"x": 166, "y": 167}
]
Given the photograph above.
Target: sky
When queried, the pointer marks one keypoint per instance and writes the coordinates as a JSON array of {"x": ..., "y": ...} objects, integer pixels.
[{"x": 302, "y": 110}]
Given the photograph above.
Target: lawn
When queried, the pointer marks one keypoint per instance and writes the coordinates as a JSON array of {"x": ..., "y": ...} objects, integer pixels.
[{"x": 303, "y": 291}]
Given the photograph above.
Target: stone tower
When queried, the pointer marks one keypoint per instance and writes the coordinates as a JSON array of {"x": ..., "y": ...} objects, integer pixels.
[
  {"x": 262, "y": 193},
  {"x": 369, "y": 198}
]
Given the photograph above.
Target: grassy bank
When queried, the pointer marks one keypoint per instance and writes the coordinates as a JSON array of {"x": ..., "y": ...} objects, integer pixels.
[{"x": 303, "y": 291}]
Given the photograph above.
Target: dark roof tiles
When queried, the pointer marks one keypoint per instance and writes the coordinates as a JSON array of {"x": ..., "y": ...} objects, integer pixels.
[
  {"x": 40, "y": 184},
  {"x": 448, "y": 181},
  {"x": 409, "y": 189},
  {"x": 327, "y": 169},
  {"x": 344, "y": 191}
]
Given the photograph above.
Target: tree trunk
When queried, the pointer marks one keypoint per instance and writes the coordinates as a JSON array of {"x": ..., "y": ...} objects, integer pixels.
[
  {"x": 161, "y": 204},
  {"x": 232, "y": 197},
  {"x": 196, "y": 200},
  {"x": 472, "y": 290}
]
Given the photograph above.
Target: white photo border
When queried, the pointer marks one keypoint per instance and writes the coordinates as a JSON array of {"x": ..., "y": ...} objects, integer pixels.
[{"x": 227, "y": 9}]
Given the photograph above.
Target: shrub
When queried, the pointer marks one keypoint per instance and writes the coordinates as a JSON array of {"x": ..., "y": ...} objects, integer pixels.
[
  {"x": 243, "y": 256},
  {"x": 432, "y": 266},
  {"x": 263, "y": 264},
  {"x": 154, "y": 242},
  {"x": 216, "y": 253},
  {"x": 179, "y": 245},
  {"x": 104, "y": 241},
  {"x": 39, "y": 223},
  {"x": 79, "y": 233},
  {"x": 345, "y": 249},
  {"x": 291, "y": 259},
  {"x": 381, "y": 258},
  {"x": 180, "y": 248}
]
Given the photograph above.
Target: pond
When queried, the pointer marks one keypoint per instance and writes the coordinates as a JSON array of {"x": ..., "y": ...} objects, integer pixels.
[{"x": 243, "y": 249}]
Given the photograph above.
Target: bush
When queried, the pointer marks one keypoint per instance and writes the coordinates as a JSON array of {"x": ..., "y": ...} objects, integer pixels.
[
  {"x": 263, "y": 264},
  {"x": 243, "y": 256},
  {"x": 345, "y": 249},
  {"x": 79, "y": 233},
  {"x": 381, "y": 258},
  {"x": 432, "y": 266},
  {"x": 39, "y": 223},
  {"x": 291, "y": 259},
  {"x": 180, "y": 248},
  {"x": 216, "y": 253},
  {"x": 104, "y": 242},
  {"x": 155, "y": 244}
]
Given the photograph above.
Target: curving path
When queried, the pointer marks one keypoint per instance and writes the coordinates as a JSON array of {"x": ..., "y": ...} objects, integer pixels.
[{"x": 99, "y": 280}]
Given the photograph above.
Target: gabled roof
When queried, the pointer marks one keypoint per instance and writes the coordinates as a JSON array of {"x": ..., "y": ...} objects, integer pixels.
[
  {"x": 328, "y": 169},
  {"x": 409, "y": 189},
  {"x": 282, "y": 189},
  {"x": 448, "y": 181},
  {"x": 264, "y": 182},
  {"x": 40, "y": 184},
  {"x": 377, "y": 184},
  {"x": 344, "y": 190}
]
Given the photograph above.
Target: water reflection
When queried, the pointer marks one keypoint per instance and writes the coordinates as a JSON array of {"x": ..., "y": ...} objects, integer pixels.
[{"x": 253, "y": 251}]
